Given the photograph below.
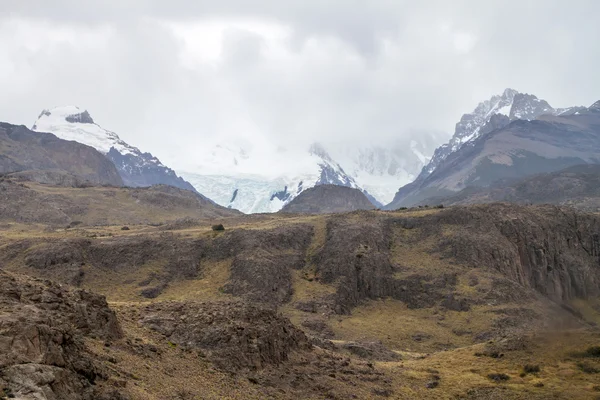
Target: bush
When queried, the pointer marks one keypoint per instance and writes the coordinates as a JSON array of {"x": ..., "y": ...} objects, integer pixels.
[
  {"x": 125, "y": 228},
  {"x": 588, "y": 368},
  {"x": 590, "y": 352},
  {"x": 498, "y": 377},
  {"x": 593, "y": 351},
  {"x": 440, "y": 206},
  {"x": 531, "y": 369},
  {"x": 218, "y": 227}
]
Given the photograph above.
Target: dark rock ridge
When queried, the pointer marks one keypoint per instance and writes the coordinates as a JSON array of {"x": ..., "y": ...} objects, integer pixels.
[
  {"x": 519, "y": 149},
  {"x": 22, "y": 149},
  {"x": 325, "y": 199},
  {"x": 42, "y": 353}
]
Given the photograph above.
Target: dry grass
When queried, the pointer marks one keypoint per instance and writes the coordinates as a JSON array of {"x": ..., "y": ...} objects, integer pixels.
[{"x": 446, "y": 348}]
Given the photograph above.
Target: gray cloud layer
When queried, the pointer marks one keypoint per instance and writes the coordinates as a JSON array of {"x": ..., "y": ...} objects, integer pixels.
[{"x": 167, "y": 75}]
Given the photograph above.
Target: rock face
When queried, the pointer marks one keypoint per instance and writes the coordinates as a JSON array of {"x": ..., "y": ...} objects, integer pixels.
[
  {"x": 545, "y": 249},
  {"x": 234, "y": 335},
  {"x": 552, "y": 250},
  {"x": 42, "y": 355},
  {"x": 22, "y": 149},
  {"x": 137, "y": 169},
  {"x": 519, "y": 149},
  {"x": 324, "y": 199}
]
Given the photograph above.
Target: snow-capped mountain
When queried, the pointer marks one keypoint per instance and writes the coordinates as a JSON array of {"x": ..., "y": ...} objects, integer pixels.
[
  {"x": 511, "y": 103},
  {"x": 258, "y": 176},
  {"x": 489, "y": 116},
  {"x": 227, "y": 177},
  {"x": 382, "y": 168},
  {"x": 136, "y": 168}
]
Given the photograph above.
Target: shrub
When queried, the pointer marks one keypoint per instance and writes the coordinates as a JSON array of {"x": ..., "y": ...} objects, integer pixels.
[
  {"x": 593, "y": 351},
  {"x": 125, "y": 228},
  {"x": 588, "y": 368},
  {"x": 218, "y": 227},
  {"x": 531, "y": 369},
  {"x": 590, "y": 352},
  {"x": 440, "y": 206},
  {"x": 498, "y": 377}
]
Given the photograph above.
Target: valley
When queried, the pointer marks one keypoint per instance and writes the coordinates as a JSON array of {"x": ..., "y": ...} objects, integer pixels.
[{"x": 420, "y": 303}]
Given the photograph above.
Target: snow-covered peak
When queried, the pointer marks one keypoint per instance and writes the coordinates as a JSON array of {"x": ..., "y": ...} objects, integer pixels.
[
  {"x": 73, "y": 123},
  {"x": 595, "y": 106},
  {"x": 511, "y": 103}
]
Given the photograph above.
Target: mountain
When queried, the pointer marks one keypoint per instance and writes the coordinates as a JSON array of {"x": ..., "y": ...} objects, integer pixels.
[
  {"x": 44, "y": 153},
  {"x": 326, "y": 199},
  {"x": 232, "y": 173},
  {"x": 382, "y": 167},
  {"x": 489, "y": 115},
  {"x": 223, "y": 177},
  {"x": 577, "y": 186},
  {"x": 512, "y": 149},
  {"x": 135, "y": 168}
]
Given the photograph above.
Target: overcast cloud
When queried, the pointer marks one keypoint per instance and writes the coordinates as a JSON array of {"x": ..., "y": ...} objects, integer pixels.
[{"x": 169, "y": 75}]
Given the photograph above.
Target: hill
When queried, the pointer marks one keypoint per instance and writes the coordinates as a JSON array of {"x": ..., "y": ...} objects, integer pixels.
[
  {"x": 31, "y": 202},
  {"x": 326, "y": 199}
]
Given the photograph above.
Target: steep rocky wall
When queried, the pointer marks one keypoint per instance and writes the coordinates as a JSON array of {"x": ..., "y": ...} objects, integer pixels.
[{"x": 554, "y": 250}]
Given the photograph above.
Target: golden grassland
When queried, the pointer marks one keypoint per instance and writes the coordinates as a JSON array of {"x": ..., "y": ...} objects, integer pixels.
[{"x": 445, "y": 353}]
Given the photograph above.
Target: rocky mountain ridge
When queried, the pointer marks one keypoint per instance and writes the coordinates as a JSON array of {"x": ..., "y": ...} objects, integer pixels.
[{"x": 510, "y": 111}]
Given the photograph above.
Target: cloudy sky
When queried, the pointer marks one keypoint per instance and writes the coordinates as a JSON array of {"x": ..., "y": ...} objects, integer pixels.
[{"x": 169, "y": 75}]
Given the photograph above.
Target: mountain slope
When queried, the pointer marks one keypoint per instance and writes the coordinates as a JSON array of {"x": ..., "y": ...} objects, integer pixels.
[
  {"x": 325, "y": 199},
  {"x": 22, "y": 149},
  {"x": 519, "y": 149},
  {"x": 136, "y": 168},
  {"x": 577, "y": 186},
  {"x": 488, "y": 116}
]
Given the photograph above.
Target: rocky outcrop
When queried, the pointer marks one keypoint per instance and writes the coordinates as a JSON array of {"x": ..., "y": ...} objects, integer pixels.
[
  {"x": 549, "y": 250},
  {"x": 325, "y": 199},
  {"x": 42, "y": 353},
  {"x": 234, "y": 335},
  {"x": 553, "y": 250}
]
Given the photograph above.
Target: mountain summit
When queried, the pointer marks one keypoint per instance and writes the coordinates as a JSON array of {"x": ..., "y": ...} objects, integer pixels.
[{"x": 136, "y": 168}]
